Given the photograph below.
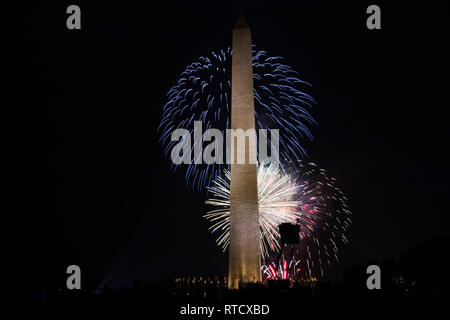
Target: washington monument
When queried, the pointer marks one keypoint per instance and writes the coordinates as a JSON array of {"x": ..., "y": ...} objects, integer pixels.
[{"x": 244, "y": 252}]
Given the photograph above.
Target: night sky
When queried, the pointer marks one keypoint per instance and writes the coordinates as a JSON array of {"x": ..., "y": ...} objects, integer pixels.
[{"x": 100, "y": 192}]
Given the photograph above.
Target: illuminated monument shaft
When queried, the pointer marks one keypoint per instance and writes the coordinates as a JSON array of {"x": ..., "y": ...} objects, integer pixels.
[{"x": 244, "y": 251}]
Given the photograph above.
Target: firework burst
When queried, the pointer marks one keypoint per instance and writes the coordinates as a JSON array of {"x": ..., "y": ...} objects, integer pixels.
[
  {"x": 203, "y": 93},
  {"x": 284, "y": 270},
  {"x": 306, "y": 196}
]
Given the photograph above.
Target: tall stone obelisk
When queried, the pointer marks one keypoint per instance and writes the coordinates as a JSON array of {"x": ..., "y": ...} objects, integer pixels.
[{"x": 244, "y": 250}]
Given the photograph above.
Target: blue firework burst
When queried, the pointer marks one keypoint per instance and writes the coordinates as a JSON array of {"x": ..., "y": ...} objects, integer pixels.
[{"x": 203, "y": 93}]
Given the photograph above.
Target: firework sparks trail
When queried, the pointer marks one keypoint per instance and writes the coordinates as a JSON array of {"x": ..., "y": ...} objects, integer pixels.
[{"x": 203, "y": 93}]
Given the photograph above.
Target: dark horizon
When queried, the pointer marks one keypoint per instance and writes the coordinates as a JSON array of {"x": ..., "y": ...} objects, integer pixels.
[{"x": 103, "y": 195}]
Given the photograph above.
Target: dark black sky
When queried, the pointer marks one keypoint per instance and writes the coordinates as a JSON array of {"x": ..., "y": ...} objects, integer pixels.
[{"x": 101, "y": 192}]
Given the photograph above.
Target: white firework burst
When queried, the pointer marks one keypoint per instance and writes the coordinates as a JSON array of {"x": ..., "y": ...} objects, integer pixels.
[
  {"x": 306, "y": 196},
  {"x": 281, "y": 199}
]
